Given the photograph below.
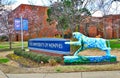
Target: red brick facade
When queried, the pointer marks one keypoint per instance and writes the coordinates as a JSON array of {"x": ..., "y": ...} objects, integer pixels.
[
  {"x": 92, "y": 31},
  {"x": 107, "y": 26},
  {"x": 37, "y": 21}
]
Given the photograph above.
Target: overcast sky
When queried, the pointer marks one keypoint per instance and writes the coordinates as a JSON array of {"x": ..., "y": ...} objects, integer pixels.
[
  {"x": 115, "y": 8},
  {"x": 115, "y": 5},
  {"x": 36, "y": 2}
]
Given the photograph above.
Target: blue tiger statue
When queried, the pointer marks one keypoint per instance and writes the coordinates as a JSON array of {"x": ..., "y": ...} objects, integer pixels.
[{"x": 89, "y": 42}]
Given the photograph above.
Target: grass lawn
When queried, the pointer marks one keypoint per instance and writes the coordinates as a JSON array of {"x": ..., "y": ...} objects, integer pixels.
[
  {"x": 84, "y": 68},
  {"x": 5, "y": 45},
  {"x": 4, "y": 60},
  {"x": 114, "y": 44}
]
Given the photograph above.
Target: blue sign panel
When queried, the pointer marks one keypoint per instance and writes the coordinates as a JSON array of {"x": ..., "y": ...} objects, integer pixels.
[
  {"x": 17, "y": 24},
  {"x": 53, "y": 45},
  {"x": 25, "y": 24}
]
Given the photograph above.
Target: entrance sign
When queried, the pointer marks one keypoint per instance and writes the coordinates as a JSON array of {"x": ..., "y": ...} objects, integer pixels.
[
  {"x": 17, "y": 24},
  {"x": 52, "y": 45}
]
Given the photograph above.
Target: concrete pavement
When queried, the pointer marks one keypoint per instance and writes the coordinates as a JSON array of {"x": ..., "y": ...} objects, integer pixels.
[
  {"x": 95, "y": 74},
  {"x": 2, "y": 75}
]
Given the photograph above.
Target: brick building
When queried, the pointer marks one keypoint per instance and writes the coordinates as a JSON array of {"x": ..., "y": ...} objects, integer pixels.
[
  {"x": 37, "y": 24},
  {"x": 107, "y": 26}
]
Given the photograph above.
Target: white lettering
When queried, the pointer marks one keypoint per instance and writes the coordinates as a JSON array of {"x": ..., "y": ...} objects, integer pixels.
[{"x": 47, "y": 45}]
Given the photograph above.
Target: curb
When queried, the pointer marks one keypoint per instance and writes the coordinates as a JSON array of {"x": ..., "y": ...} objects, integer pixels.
[{"x": 2, "y": 75}]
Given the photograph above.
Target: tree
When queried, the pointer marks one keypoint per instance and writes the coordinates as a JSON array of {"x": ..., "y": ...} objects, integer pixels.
[
  {"x": 33, "y": 20},
  {"x": 116, "y": 0},
  {"x": 72, "y": 13},
  {"x": 68, "y": 13},
  {"x": 8, "y": 2},
  {"x": 0, "y": 2},
  {"x": 106, "y": 7},
  {"x": 5, "y": 27},
  {"x": 37, "y": 22},
  {"x": 100, "y": 5},
  {"x": 32, "y": 2}
]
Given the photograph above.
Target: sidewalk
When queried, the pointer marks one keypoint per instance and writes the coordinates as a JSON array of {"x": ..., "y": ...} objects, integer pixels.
[
  {"x": 97, "y": 74},
  {"x": 2, "y": 75}
]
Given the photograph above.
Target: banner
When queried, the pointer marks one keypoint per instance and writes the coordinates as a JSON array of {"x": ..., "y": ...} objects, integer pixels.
[{"x": 17, "y": 24}]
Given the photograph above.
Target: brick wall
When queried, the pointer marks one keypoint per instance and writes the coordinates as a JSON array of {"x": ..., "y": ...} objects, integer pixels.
[
  {"x": 107, "y": 26},
  {"x": 92, "y": 31},
  {"x": 37, "y": 24}
]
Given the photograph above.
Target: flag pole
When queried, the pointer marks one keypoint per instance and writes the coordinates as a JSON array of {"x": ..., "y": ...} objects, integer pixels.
[{"x": 22, "y": 33}]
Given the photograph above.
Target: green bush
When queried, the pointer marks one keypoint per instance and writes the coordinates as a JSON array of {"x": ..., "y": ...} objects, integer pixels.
[
  {"x": 3, "y": 38},
  {"x": 18, "y": 52},
  {"x": 37, "y": 57},
  {"x": 58, "y": 59},
  {"x": 32, "y": 56},
  {"x": 25, "y": 54},
  {"x": 52, "y": 62}
]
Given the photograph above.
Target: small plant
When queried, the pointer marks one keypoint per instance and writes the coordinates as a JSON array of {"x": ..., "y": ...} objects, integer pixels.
[
  {"x": 58, "y": 70},
  {"x": 4, "y": 60},
  {"x": 38, "y": 58},
  {"x": 52, "y": 62},
  {"x": 58, "y": 59}
]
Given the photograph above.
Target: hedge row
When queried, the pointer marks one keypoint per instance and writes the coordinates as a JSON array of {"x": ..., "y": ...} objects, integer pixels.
[{"x": 37, "y": 57}]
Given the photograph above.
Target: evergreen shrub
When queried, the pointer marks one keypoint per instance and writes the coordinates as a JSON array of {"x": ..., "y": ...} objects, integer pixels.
[{"x": 37, "y": 57}]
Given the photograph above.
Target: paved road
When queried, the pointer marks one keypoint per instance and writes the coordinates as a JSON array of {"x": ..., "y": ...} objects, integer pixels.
[{"x": 97, "y": 74}]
